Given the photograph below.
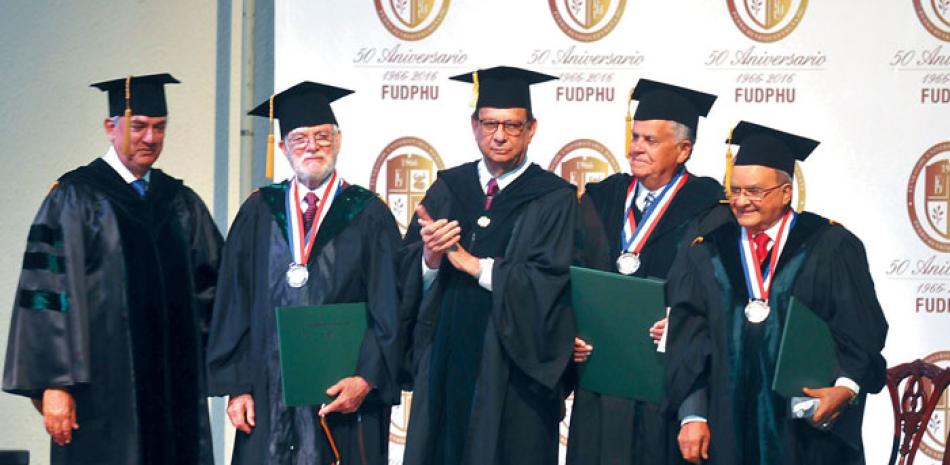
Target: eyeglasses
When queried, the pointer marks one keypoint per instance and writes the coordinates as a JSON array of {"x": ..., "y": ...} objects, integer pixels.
[
  {"x": 754, "y": 194},
  {"x": 301, "y": 140},
  {"x": 512, "y": 128}
]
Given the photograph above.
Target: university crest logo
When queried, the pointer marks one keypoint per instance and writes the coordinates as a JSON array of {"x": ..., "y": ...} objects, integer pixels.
[
  {"x": 587, "y": 20},
  {"x": 767, "y": 20},
  {"x": 411, "y": 19}
]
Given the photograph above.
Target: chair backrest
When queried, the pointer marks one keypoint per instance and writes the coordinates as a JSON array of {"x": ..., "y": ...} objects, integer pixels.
[
  {"x": 14, "y": 457},
  {"x": 923, "y": 384}
]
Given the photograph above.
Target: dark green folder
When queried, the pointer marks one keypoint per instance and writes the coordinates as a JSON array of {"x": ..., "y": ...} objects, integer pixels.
[
  {"x": 319, "y": 345},
  {"x": 806, "y": 356},
  {"x": 614, "y": 314}
]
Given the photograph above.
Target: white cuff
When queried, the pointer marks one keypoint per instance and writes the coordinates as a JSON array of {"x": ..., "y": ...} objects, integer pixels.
[
  {"x": 484, "y": 272},
  {"x": 848, "y": 383},
  {"x": 428, "y": 274},
  {"x": 692, "y": 419}
]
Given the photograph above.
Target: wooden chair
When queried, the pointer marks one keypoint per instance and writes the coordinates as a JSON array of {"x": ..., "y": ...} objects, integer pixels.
[
  {"x": 14, "y": 457},
  {"x": 923, "y": 384}
]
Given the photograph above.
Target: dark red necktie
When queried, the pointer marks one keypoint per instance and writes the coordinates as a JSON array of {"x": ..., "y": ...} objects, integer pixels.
[
  {"x": 761, "y": 246},
  {"x": 491, "y": 192},
  {"x": 308, "y": 216}
]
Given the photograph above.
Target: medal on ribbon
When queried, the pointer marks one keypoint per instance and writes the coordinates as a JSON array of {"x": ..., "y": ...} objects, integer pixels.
[
  {"x": 301, "y": 242},
  {"x": 634, "y": 236},
  {"x": 757, "y": 284}
]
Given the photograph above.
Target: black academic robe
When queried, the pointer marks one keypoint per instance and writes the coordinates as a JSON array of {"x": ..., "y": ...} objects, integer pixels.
[
  {"x": 112, "y": 305},
  {"x": 353, "y": 260},
  {"x": 712, "y": 349},
  {"x": 487, "y": 367},
  {"x": 612, "y": 430}
]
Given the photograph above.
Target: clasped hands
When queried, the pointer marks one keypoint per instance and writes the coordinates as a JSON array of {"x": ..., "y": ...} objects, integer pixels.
[
  {"x": 348, "y": 392},
  {"x": 440, "y": 238}
]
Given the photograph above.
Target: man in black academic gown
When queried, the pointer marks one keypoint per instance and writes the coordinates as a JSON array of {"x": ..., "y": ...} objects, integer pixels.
[
  {"x": 643, "y": 218},
  {"x": 311, "y": 240},
  {"x": 108, "y": 328},
  {"x": 730, "y": 293},
  {"x": 485, "y": 267}
]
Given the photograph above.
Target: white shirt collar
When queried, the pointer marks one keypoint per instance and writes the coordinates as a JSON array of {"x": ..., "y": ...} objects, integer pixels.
[
  {"x": 112, "y": 158},
  {"x": 504, "y": 180},
  {"x": 302, "y": 190},
  {"x": 773, "y": 230}
]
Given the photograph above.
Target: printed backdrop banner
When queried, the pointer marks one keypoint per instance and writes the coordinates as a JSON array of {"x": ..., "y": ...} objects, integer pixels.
[{"x": 871, "y": 82}]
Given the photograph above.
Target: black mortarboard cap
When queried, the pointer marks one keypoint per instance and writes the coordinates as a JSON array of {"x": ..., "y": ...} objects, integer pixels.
[
  {"x": 146, "y": 94},
  {"x": 305, "y": 104},
  {"x": 503, "y": 86},
  {"x": 760, "y": 145},
  {"x": 662, "y": 101}
]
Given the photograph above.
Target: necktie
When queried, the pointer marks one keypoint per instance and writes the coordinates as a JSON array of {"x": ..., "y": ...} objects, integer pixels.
[
  {"x": 308, "y": 216},
  {"x": 491, "y": 192},
  {"x": 650, "y": 198},
  {"x": 761, "y": 246},
  {"x": 141, "y": 187}
]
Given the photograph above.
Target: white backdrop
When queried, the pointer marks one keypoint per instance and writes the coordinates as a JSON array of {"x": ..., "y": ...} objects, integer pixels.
[{"x": 871, "y": 81}]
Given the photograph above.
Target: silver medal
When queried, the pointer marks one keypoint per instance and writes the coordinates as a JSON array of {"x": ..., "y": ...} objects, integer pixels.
[
  {"x": 628, "y": 263},
  {"x": 756, "y": 311},
  {"x": 297, "y": 275},
  {"x": 484, "y": 221}
]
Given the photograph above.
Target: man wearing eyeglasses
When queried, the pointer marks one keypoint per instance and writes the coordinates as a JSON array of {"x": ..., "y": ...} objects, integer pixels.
[
  {"x": 645, "y": 219},
  {"x": 311, "y": 240},
  {"x": 729, "y": 294},
  {"x": 485, "y": 266}
]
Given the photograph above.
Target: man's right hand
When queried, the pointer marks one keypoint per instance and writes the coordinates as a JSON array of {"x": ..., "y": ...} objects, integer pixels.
[
  {"x": 241, "y": 412},
  {"x": 694, "y": 441},
  {"x": 438, "y": 236},
  {"x": 582, "y": 350},
  {"x": 59, "y": 415}
]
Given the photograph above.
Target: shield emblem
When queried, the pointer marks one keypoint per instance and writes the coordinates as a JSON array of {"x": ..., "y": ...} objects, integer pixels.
[
  {"x": 937, "y": 196},
  {"x": 582, "y": 170},
  {"x": 412, "y": 13},
  {"x": 767, "y": 13},
  {"x": 942, "y": 9},
  {"x": 587, "y": 13},
  {"x": 408, "y": 176}
]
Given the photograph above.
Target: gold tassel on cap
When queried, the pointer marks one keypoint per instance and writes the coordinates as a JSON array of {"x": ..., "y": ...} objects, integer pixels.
[
  {"x": 629, "y": 127},
  {"x": 729, "y": 161},
  {"x": 474, "y": 89},
  {"x": 270, "y": 141},
  {"x": 127, "y": 133},
  {"x": 800, "y": 181}
]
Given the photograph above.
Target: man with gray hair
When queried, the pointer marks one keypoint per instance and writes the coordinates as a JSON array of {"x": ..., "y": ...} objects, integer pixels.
[
  {"x": 108, "y": 327},
  {"x": 642, "y": 222}
]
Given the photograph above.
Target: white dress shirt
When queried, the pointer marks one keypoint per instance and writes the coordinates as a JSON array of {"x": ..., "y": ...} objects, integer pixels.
[{"x": 112, "y": 159}]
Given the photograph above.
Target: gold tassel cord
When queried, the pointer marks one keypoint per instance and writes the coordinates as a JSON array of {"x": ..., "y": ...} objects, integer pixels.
[
  {"x": 127, "y": 132},
  {"x": 800, "y": 182},
  {"x": 270, "y": 141},
  {"x": 628, "y": 129},
  {"x": 727, "y": 180},
  {"x": 475, "y": 89}
]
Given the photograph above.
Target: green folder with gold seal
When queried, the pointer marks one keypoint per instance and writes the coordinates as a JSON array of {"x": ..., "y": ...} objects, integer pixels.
[
  {"x": 806, "y": 356},
  {"x": 319, "y": 345},
  {"x": 614, "y": 314}
]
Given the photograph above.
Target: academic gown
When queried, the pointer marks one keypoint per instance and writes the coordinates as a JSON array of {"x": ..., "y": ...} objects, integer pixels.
[
  {"x": 112, "y": 304},
  {"x": 612, "y": 430},
  {"x": 711, "y": 346},
  {"x": 353, "y": 260},
  {"x": 488, "y": 366}
]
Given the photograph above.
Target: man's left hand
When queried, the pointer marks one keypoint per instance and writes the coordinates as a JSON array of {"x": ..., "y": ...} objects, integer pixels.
[
  {"x": 349, "y": 393},
  {"x": 832, "y": 399},
  {"x": 464, "y": 261}
]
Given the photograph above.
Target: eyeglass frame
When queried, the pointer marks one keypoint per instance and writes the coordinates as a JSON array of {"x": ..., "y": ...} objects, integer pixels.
[
  {"x": 294, "y": 139},
  {"x": 505, "y": 125},
  {"x": 736, "y": 192}
]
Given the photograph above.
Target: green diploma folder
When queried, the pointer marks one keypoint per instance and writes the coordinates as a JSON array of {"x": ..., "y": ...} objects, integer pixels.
[
  {"x": 614, "y": 314},
  {"x": 806, "y": 356},
  {"x": 319, "y": 345}
]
